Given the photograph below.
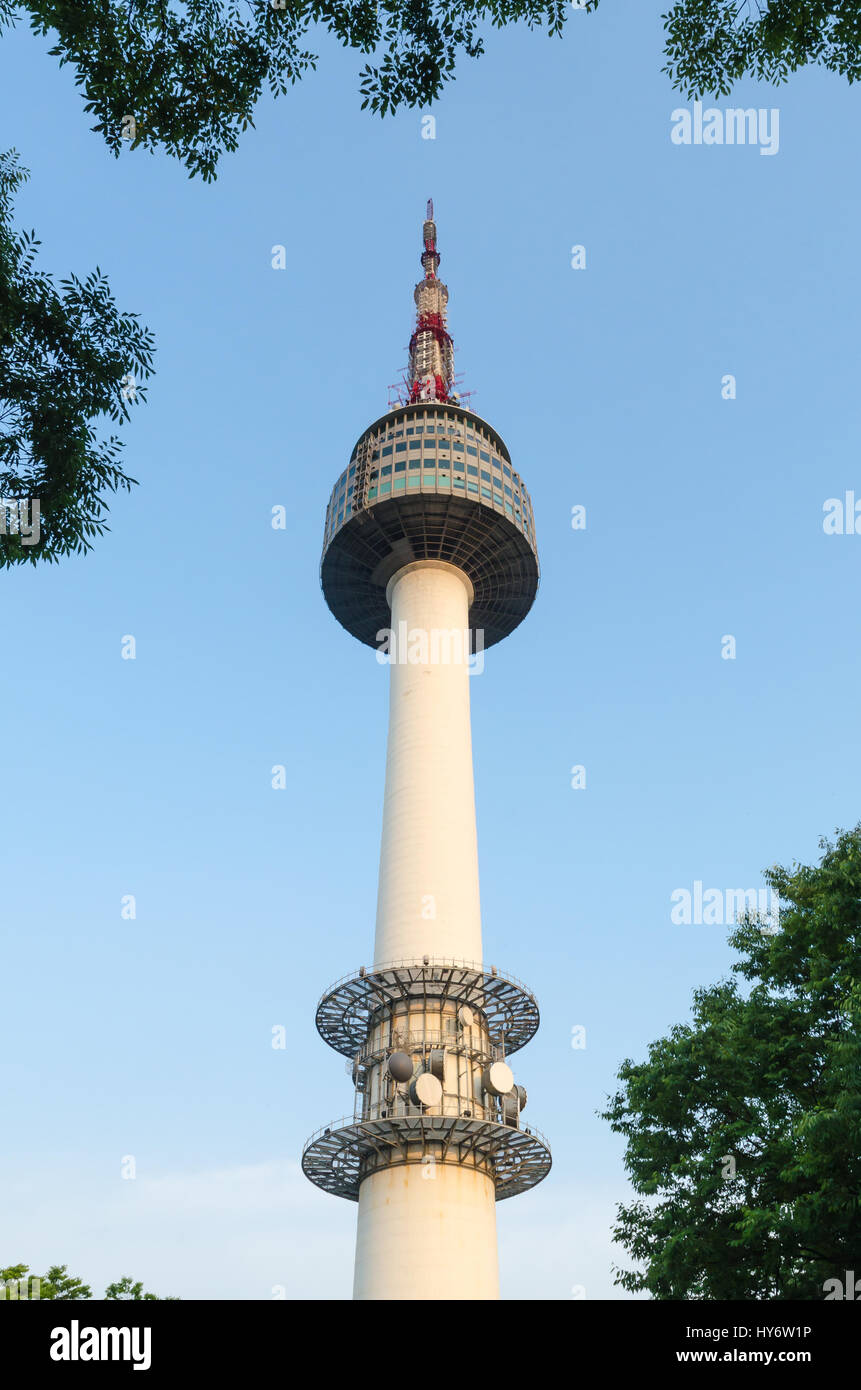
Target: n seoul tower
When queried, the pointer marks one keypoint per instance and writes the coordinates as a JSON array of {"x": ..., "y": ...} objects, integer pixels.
[{"x": 429, "y": 552}]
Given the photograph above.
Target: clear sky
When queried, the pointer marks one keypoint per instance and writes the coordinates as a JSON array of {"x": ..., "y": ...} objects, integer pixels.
[{"x": 152, "y": 1037}]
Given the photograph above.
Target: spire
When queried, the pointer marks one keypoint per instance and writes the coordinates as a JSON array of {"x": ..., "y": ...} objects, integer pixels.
[{"x": 431, "y": 369}]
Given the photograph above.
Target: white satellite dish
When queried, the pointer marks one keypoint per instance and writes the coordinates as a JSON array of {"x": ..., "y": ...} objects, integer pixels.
[
  {"x": 498, "y": 1078},
  {"x": 426, "y": 1090}
]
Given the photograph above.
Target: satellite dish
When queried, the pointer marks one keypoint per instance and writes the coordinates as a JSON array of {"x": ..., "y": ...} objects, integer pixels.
[
  {"x": 466, "y": 1015},
  {"x": 436, "y": 1062},
  {"x": 426, "y": 1090},
  {"x": 514, "y": 1102},
  {"x": 498, "y": 1078},
  {"x": 401, "y": 1066}
]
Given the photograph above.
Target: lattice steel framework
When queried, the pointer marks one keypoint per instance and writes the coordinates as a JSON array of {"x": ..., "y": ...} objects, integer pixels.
[
  {"x": 345, "y": 1011},
  {"x": 339, "y": 1155}
]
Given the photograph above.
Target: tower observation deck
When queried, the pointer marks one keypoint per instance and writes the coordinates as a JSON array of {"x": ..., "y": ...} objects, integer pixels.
[{"x": 429, "y": 552}]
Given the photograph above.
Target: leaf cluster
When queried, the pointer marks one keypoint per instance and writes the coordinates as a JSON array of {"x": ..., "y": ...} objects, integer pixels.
[
  {"x": 68, "y": 358},
  {"x": 189, "y": 72},
  {"x": 743, "y": 1127},
  {"x": 712, "y": 44},
  {"x": 59, "y": 1284}
]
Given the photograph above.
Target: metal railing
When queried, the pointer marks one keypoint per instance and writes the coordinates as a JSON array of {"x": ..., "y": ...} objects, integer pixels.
[
  {"x": 432, "y": 963},
  {"x": 345, "y": 1122}
]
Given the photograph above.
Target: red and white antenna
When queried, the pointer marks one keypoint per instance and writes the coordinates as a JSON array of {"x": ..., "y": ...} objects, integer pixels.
[{"x": 430, "y": 375}]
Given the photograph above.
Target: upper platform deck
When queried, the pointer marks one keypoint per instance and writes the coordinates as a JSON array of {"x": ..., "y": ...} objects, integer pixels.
[{"x": 429, "y": 480}]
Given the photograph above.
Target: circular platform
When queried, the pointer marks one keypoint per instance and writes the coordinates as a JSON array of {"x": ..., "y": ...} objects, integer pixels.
[
  {"x": 345, "y": 1010},
  {"x": 333, "y": 1158},
  {"x": 430, "y": 482}
]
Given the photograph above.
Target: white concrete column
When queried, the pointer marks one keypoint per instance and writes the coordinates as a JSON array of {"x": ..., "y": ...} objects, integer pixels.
[
  {"x": 426, "y": 1233},
  {"x": 428, "y": 901}
]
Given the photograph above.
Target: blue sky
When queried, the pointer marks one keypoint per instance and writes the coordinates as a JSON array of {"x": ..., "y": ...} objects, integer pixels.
[{"x": 151, "y": 777}]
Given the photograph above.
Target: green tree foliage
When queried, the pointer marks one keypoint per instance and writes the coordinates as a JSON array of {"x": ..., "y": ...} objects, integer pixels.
[
  {"x": 67, "y": 357},
  {"x": 126, "y": 1290},
  {"x": 58, "y": 1284},
  {"x": 767, "y": 1075},
  {"x": 711, "y": 44},
  {"x": 189, "y": 72}
]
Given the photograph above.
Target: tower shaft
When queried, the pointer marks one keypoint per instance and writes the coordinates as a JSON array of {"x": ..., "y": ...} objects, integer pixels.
[
  {"x": 426, "y": 1233},
  {"x": 428, "y": 900},
  {"x": 428, "y": 1230}
]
